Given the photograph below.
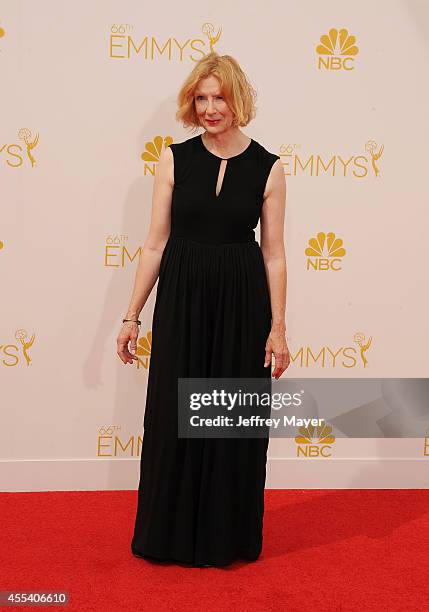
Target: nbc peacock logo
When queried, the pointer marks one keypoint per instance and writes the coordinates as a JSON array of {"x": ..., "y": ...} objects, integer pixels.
[
  {"x": 124, "y": 43},
  {"x": 325, "y": 252},
  {"x": 337, "y": 50},
  {"x": 314, "y": 441},
  {"x": 152, "y": 153},
  {"x": 2, "y": 32},
  {"x": 144, "y": 349}
]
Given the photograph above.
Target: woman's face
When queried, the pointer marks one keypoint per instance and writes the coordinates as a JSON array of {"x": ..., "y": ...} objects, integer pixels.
[{"x": 211, "y": 105}]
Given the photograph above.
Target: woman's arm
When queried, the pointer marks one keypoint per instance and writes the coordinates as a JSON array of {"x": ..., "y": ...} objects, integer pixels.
[
  {"x": 273, "y": 250},
  {"x": 159, "y": 231},
  {"x": 150, "y": 256}
]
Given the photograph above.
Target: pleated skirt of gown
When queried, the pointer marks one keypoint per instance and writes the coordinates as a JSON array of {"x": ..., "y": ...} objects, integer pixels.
[{"x": 201, "y": 500}]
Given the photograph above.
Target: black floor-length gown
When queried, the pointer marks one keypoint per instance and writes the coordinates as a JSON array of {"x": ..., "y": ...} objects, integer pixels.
[{"x": 201, "y": 500}]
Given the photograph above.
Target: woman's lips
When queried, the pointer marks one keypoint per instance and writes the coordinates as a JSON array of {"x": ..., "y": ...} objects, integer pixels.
[{"x": 212, "y": 122}]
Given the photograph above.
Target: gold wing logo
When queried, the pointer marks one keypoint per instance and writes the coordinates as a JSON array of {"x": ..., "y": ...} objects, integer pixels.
[
  {"x": 208, "y": 30},
  {"x": 322, "y": 434},
  {"x": 25, "y": 135},
  {"x": 337, "y": 42},
  {"x": 144, "y": 349},
  {"x": 359, "y": 339},
  {"x": 153, "y": 149},
  {"x": 21, "y": 336},
  {"x": 334, "y": 246},
  {"x": 371, "y": 148}
]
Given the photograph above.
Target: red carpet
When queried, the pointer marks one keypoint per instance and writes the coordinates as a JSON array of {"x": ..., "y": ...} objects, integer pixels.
[{"x": 327, "y": 550}]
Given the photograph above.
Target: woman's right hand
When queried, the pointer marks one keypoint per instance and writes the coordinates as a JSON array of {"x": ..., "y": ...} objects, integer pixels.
[{"x": 128, "y": 335}]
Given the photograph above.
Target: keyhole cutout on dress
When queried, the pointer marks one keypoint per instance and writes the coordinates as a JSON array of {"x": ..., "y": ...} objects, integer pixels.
[{"x": 221, "y": 175}]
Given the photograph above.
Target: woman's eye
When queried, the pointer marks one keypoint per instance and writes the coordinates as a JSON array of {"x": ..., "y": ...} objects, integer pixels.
[{"x": 220, "y": 97}]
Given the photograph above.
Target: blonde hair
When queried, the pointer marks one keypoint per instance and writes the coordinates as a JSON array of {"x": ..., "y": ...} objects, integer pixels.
[{"x": 235, "y": 87}]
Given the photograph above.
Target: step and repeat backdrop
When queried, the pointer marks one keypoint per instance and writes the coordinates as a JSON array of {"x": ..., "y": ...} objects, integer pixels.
[{"x": 88, "y": 102}]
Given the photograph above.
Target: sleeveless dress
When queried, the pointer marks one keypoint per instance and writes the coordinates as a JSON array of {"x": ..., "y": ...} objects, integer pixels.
[{"x": 201, "y": 500}]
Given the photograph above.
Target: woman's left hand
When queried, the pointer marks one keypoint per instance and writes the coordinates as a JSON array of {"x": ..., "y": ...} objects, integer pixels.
[{"x": 276, "y": 344}]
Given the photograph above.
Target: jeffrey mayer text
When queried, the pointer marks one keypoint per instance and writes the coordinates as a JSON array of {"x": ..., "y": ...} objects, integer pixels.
[{"x": 254, "y": 421}]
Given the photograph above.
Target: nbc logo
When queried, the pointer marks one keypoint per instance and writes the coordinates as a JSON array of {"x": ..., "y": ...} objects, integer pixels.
[
  {"x": 314, "y": 441},
  {"x": 325, "y": 252},
  {"x": 152, "y": 152},
  {"x": 143, "y": 352},
  {"x": 336, "y": 50}
]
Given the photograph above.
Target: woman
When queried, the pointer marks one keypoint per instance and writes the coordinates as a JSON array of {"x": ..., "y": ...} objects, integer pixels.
[{"x": 219, "y": 310}]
